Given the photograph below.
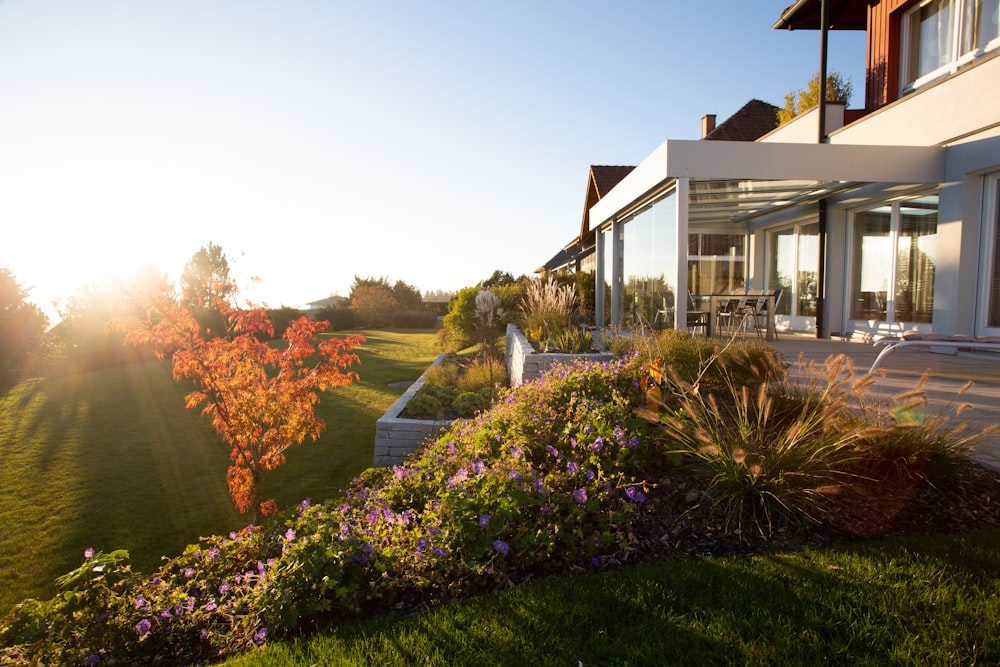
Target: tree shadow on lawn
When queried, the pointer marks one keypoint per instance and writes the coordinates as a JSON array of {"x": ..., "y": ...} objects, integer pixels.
[{"x": 115, "y": 462}]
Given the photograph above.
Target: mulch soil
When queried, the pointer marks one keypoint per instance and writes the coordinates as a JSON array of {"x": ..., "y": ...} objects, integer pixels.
[{"x": 964, "y": 497}]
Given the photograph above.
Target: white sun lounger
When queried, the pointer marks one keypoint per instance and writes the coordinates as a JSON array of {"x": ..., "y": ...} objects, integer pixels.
[{"x": 929, "y": 341}]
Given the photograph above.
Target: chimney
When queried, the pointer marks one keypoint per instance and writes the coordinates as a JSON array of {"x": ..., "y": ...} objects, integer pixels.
[{"x": 707, "y": 124}]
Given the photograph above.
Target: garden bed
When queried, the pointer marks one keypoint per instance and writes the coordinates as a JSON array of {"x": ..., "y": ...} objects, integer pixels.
[
  {"x": 525, "y": 363},
  {"x": 395, "y": 436}
]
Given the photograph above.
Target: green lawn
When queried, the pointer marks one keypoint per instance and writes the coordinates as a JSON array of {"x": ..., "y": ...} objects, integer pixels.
[
  {"x": 111, "y": 459},
  {"x": 933, "y": 601}
]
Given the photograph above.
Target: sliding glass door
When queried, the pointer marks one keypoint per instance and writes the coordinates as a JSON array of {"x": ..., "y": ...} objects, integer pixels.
[
  {"x": 893, "y": 262},
  {"x": 793, "y": 267}
]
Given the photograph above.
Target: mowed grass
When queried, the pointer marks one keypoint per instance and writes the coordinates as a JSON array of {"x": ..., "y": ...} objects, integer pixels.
[
  {"x": 916, "y": 601},
  {"x": 112, "y": 460}
]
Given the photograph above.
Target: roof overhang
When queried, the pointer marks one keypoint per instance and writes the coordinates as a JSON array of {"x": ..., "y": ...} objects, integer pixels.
[
  {"x": 735, "y": 179},
  {"x": 843, "y": 15}
]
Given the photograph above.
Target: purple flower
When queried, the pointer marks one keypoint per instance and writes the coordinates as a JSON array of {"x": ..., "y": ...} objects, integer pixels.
[
  {"x": 484, "y": 520},
  {"x": 203, "y": 634},
  {"x": 88, "y": 553},
  {"x": 540, "y": 487},
  {"x": 140, "y": 601},
  {"x": 92, "y": 660},
  {"x": 580, "y": 496},
  {"x": 290, "y": 535},
  {"x": 433, "y": 530},
  {"x": 163, "y": 615},
  {"x": 515, "y": 452},
  {"x": 598, "y": 444},
  {"x": 439, "y": 552},
  {"x": 590, "y": 475},
  {"x": 545, "y": 508},
  {"x": 514, "y": 475},
  {"x": 189, "y": 572},
  {"x": 460, "y": 476},
  {"x": 422, "y": 544},
  {"x": 399, "y": 473},
  {"x": 478, "y": 467},
  {"x": 143, "y": 626},
  {"x": 552, "y": 451},
  {"x": 211, "y": 606},
  {"x": 224, "y": 588},
  {"x": 635, "y": 495},
  {"x": 304, "y": 505},
  {"x": 634, "y": 441},
  {"x": 214, "y": 553},
  {"x": 260, "y": 636},
  {"x": 572, "y": 468},
  {"x": 501, "y": 547}
]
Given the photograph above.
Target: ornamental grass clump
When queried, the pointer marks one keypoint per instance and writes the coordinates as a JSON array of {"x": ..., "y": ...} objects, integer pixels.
[
  {"x": 762, "y": 465},
  {"x": 548, "y": 309}
]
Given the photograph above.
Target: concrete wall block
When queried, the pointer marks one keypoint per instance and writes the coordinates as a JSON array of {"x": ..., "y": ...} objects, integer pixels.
[{"x": 396, "y": 438}]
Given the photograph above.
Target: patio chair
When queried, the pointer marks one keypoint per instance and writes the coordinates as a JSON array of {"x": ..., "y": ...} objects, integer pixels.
[
  {"x": 728, "y": 316},
  {"x": 759, "y": 313},
  {"x": 696, "y": 319}
]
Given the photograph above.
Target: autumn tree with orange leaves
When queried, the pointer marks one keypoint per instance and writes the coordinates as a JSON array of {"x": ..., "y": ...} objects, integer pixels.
[{"x": 259, "y": 397}]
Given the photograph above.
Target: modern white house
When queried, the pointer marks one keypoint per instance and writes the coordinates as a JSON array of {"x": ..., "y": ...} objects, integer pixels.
[{"x": 887, "y": 219}]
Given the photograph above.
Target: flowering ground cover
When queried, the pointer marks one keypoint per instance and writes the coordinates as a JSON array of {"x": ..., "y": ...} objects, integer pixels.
[{"x": 578, "y": 472}]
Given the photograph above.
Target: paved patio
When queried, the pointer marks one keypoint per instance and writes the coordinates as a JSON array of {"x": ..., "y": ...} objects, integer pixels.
[{"x": 949, "y": 373}]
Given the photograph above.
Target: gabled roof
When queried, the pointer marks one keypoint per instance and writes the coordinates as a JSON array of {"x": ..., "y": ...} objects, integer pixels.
[
  {"x": 842, "y": 14},
  {"x": 750, "y": 123},
  {"x": 605, "y": 177},
  {"x": 600, "y": 181}
]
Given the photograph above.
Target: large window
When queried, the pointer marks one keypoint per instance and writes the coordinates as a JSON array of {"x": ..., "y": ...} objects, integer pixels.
[
  {"x": 716, "y": 263},
  {"x": 895, "y": 249},
  {"x": 939, "y": 35}
]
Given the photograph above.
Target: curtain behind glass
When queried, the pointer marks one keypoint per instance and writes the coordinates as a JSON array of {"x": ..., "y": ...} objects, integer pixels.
[
  {"x": 916, "y": 252},
  {"x": 870, "y": 272}
]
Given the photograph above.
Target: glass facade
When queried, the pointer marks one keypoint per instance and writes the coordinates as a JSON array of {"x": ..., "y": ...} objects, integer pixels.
[
  {"x": 649, "y": 269},
  {"x": 649, "y": 265}
]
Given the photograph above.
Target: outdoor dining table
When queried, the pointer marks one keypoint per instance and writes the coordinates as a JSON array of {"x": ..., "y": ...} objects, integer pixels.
[{"x": 715, "y": 300}]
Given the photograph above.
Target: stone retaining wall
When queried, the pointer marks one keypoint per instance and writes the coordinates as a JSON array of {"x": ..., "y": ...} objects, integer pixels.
[
  {"x": 525, "y": 364},
  {"x": 396, "y": 438}
]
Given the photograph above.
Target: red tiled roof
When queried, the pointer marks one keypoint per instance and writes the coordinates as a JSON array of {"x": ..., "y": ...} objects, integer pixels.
[
  {"x": 607, "y": 177},
  {"x": 750, "y": 123}
]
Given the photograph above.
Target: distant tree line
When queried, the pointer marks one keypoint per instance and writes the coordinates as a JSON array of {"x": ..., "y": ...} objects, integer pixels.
[{"x": 82, "y": 341}]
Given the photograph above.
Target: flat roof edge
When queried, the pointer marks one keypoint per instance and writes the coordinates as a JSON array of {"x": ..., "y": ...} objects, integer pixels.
[{"x": 736, "y": 160}]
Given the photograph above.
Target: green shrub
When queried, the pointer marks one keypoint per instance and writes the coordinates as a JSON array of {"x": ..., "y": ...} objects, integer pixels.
[
  {"x": 468, "y": 403},
  {"x": 414, "y": 318},
  {"x": 281, "y": 317},
  {"x": 341, "y": 318}
]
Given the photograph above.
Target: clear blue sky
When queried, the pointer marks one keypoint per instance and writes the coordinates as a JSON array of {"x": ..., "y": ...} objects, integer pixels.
[{"x": 430, "y": 142}]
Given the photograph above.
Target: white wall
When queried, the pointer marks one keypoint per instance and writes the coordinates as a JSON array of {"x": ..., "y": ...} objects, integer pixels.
[{"x": 940, "y": 113}]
